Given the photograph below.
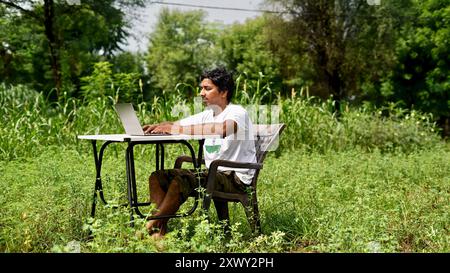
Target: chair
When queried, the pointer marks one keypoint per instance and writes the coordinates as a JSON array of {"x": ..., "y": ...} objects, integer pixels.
[{"x": 265, "y": 137}]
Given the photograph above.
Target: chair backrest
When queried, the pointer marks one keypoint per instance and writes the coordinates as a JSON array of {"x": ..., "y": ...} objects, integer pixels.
[{"x": 266, "y": 138}]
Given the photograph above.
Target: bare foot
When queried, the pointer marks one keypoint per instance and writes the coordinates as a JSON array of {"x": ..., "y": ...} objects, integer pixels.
[
  {"x": 158, "y": 240},
  {"x": 157, "y": 236},
  {"x": 152, "y": 226}
]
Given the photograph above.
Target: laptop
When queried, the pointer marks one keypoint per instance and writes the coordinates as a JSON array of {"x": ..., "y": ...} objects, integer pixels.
[{"x": 130, "y": 121}]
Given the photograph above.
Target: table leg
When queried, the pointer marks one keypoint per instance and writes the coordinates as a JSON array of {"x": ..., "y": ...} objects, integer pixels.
[
  {"x": 98, "y": 190},
  {"x": 130, "y": 188},
  {"x": 201, "y": 142},
  {"x": 97, "y": 178},
  {"x": 162, "y": 156},
  {"x": 157, "y": 156}
]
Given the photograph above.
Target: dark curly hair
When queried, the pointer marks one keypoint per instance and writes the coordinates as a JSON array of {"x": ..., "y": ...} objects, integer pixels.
[{"x": 222, "y": 79}]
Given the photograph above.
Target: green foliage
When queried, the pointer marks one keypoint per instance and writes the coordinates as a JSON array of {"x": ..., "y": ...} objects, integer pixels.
[
  {"x": 181, "y": 47},
  {"x": 43, "y": 202},
  {"x": 197, "y": 234},
  {"x": 78, "y": 35},
  {"x": 246, "y": 50},
  {"x": 254, "y": 91},
  {"x": 31, "y": 122},
  {"x": 374, "y": 180},
  {"x": 348, "y": 49},
  {"x": 421, "y": 79},
  {"x": 312, "y": 126},
  {"x": 364, "y": 200},
  {"x": 190, "y": 234},
  {"x": 127, "y": 62},
  {"x": 102, "y": 83},
  {"x": 21, "y": 50},
  {"x": 332, "y": 46}
]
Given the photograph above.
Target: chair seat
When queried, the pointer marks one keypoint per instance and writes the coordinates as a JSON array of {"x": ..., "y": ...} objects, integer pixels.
[{"x": 233, "y": 197}]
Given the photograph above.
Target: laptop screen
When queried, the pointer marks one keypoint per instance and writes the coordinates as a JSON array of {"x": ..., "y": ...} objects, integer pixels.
[{"x": 129, "y": 119}]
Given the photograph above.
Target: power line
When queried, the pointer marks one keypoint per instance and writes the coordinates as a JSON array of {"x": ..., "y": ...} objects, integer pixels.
[
  {"x": 211, "y": 7},
  {"x": 266, "y": 11}
]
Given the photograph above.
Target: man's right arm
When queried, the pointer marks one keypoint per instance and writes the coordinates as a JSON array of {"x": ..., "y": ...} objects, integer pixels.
[
  {"x": 223, "y": 129},
  {"x": 167, "y": 125}
]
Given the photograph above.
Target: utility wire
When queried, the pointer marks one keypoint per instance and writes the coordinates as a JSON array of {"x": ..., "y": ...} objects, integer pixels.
[
  {"x": 211, "y": 7},
  {"x": 265, "y": 11}
]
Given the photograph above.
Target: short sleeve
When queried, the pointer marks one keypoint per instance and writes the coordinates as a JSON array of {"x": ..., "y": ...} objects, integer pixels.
[
  {"x": 239, "y": 115},
  {"x": 194, "y": 119}
]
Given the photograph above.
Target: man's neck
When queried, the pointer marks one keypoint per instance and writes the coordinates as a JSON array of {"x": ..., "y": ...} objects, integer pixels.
[{"x": 217, "y": 109}]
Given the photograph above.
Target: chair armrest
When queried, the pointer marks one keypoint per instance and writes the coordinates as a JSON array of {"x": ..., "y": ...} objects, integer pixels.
[
  {"x": 232, "y": 164},
  {"x": 226, "y": 163},
  {"x": 184, "y": 158}
]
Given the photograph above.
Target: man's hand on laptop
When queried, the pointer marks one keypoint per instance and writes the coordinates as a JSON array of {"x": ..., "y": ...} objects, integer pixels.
[
  {"x": 149, "y": 128},
  {"x": 161, "y": 128}
]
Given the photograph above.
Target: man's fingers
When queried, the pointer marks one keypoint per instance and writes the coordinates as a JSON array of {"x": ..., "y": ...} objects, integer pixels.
[
  {"x": 149, "y": 128},
  {"x": 158, "y": 128}
]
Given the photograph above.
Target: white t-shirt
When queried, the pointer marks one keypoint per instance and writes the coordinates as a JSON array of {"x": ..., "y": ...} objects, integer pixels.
[{"x": 238, "y": 147}]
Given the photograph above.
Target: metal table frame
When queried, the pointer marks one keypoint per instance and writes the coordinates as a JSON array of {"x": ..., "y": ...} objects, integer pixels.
[{"x": 132, "y": 141}]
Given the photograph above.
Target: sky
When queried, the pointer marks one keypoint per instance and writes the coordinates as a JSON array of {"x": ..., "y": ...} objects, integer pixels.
[{"x": 145, "y": 19}]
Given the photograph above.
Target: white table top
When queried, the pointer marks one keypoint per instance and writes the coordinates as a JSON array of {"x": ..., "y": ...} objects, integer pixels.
[{"x": 124, "y": 137}]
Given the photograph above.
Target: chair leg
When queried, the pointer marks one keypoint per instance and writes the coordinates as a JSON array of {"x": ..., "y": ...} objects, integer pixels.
[
  {"x": 252, "y": 211},
  {"x": 249, "y": 215},
  {"x": 248, "y": 212},
  {"x": 206, "y": 203},
  {"x": 256, "y": 218},
  {"x": 223, "y": 213}
]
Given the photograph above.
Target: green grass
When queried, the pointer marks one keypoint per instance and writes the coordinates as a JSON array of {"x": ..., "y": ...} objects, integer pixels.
[
  {"x": 347, "y": 201},
  {"x": 343, "y": 202},
  {"x": 377, "y": 180}
]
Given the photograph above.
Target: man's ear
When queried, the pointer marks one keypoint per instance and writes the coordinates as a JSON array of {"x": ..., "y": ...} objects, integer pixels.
[{"x": 224, "y": 94}]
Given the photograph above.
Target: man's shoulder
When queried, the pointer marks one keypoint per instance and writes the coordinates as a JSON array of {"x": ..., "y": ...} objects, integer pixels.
[
  {"x": 196, "y": 118},
  {"x": 236, "y": 108}
]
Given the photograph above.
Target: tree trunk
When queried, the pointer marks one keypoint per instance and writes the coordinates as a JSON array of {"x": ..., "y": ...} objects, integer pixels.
[
  {"x": 332, "y": 80},
  {"x": 335, "y": 83},
  {"x": 444, "y": 123},
  {"x": 49, "y": 14}
]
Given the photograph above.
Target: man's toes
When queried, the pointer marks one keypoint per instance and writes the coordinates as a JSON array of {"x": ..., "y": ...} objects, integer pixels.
[{"x": 151, "y": 226}]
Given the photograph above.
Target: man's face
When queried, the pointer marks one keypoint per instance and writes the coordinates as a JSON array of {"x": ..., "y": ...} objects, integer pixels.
[{"x": 211, "y": 95}]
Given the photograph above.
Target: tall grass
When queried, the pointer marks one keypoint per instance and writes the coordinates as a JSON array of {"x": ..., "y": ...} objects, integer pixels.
[
  {"x": 30, "y": 123},
  {"x": 313, "y": 127}
]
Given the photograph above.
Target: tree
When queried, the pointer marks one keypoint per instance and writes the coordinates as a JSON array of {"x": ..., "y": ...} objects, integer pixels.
[
  {"x": 246, "y": 49},
  {"x": 341, "y": 41},
  {"x": 128, "y": 63},
  {"x": 180, "y": 48},
  {"x": 421, "y": 78},
  {"x": 19, "y": 44},
  {"x": 46, "y": 18},
  {"x": 73, "y": 32}
]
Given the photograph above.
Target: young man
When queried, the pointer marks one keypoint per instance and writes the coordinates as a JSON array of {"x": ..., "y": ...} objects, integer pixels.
[{"x": 170, "y": 188}]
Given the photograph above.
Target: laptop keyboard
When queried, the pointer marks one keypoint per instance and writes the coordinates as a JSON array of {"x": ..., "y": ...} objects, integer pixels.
[{"x": 157, "y": 134}]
